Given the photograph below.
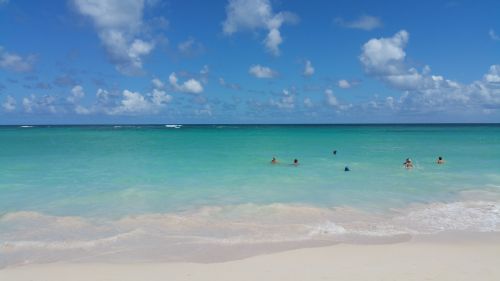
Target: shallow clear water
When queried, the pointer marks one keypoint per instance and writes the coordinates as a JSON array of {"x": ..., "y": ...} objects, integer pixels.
[{"x": 83, "y": 182}]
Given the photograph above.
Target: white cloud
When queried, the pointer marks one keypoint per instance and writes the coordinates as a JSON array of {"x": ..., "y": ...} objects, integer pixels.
[
  {"x": 160, "y": 98},
  {"x": 262, "y": 71},
  {"x": 126, "y": 103},
  {"x": 273, "y": 40},
  {"x": 45, "y": 103},
  {"x": 76, "y": 94},
  {"x": 286, "y": 101},
  {"x": 364, "y": 22},
  {"x": 493, "y": 76},
  {"x": 157, "y": 83},
  {"x": 103, "y": 96},
  {"x": 244, "y": 15},
  {"x": 191, "y": 86},
  {"x": 385, "y": 59},
  {"x": 14, "y": 62},
  {"x": 493, "y": 35},
  {"x": 28, "y": 104},
  {"x": 330, "y": 98},
  {"x": 332, "y": 101},
  {"x": 133, "y": 102},
  {"x": 9, "y": 104},
  {"x": 136, "y": 103},
  {"x": 119, "y": 23},
  {"x": 385, "y": 55},
  {"x": 308, "y": 68},
  {"x": 344, "y": 84}
]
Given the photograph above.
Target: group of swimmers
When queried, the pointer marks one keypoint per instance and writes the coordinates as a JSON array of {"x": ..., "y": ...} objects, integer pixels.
[
  {"x": 296, "y": 161},
  {"x": 275, "y": 161},
  {"x": 408, "y": 164}
]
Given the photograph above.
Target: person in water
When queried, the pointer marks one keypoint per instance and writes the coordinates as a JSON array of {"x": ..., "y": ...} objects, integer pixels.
[
  {"x": 346, "y": 169},
  {"x": 408, "y": 164},
  {"x": 274, "y": 161},
  {"x": 440, "y": 160},
  {"x": 295, "y": 162},
  {"x": 335, "y": 152}
]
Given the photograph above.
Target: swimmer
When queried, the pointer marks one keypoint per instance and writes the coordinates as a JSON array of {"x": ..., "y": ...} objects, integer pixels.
[
  {"x": 274, "y": 161},
  {"x": 335, "y": 152},
  {"x": 346, "y": 169},
  {"x": 295, "y": 162},
  {"x": 440, "y": 160},
  {"x": 408, "y": 163}
]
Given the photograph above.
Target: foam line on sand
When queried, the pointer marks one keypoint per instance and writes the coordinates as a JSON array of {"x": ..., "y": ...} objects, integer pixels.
[{"x": 423, "y": 260}]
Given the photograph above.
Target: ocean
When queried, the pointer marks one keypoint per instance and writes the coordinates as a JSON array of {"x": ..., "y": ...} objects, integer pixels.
[{"x": 156, "y": 192}]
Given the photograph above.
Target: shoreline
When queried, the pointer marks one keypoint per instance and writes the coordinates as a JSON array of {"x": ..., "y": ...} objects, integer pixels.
[
  {"x": 463, "y": 257},
  {"x": 215, "y": 234}
]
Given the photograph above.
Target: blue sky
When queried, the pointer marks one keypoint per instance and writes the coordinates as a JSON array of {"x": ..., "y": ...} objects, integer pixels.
[{"x": 248, "y": 61}]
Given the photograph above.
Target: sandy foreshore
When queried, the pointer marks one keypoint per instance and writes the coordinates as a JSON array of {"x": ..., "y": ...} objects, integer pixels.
[{"x": 415, "y": 260}]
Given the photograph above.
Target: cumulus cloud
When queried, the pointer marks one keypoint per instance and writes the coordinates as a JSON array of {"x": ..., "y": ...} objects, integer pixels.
[
  {"x": 332, "y": 101},
  {"x": 191, "y": 86},
  {"x": 159, "y": 97},
  {"x": 250, "y": 15},
  {"x": 493, "y": 76},
  {"x": 119, "y": 24},
  {"x": 126, "y": 103},
  {"x": 76, "y": 94},
  {"x": 286, "y": 101},
  {"x": 385, "y": 59},
  {"x": 344, "y": 84},
  {"x": 157, "y": 83},
  {"x": 133, "y": 103},
  {"x": 330, "y": 98},
  {"x": 9, "y": 104},
  {"x": 14, "y": 62},
  {"x": 364, "y": 22},
  {"x": 46, "y": 103},
  {"x": 385, "y": 56},
  {"x": 308, "y": 68},
  {"x": 104, "y": 103},
  {"x": 262, "y": 71}
]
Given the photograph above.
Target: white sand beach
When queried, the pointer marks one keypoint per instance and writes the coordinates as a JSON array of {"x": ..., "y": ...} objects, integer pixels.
[{"x": 416, "y": 260}]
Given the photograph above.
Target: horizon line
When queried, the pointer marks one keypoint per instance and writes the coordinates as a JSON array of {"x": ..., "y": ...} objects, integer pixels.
[{"x": 248, "y": 124}]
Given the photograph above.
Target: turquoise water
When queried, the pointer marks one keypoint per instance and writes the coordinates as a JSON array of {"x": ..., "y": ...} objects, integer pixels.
[{"x": 104, "y": 175}]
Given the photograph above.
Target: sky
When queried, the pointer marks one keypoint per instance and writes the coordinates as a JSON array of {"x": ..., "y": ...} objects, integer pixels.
[{"x": 249, "y": 61}]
